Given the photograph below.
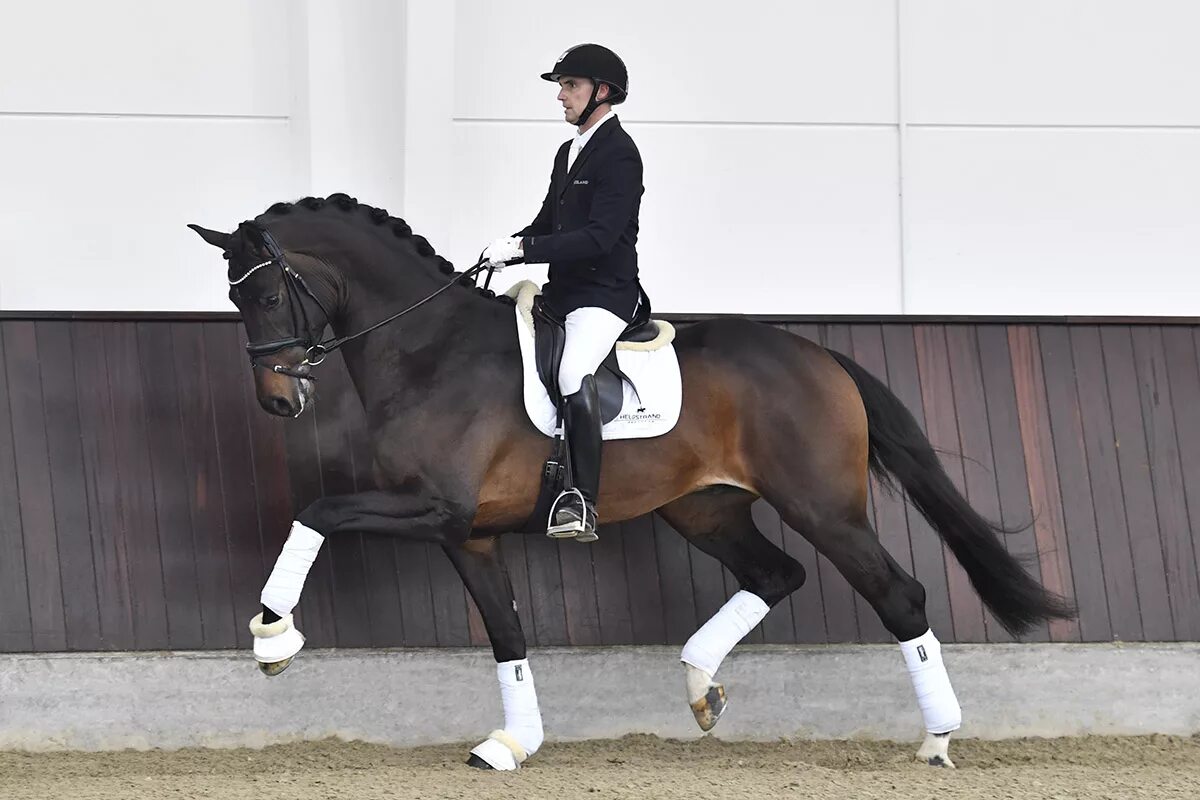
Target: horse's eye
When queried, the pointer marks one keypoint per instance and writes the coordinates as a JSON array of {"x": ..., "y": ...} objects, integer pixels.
[{"x": 270, "y": 301}]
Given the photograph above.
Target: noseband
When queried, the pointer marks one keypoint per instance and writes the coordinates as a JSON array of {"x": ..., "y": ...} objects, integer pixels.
[{"x": 302, "y": 335}]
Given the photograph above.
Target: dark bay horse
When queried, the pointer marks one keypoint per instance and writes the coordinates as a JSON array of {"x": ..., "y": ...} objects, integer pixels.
[{"x": 765, "y": 414}]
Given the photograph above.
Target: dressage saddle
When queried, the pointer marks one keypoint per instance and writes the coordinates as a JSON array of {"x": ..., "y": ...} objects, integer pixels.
[{"x": 550, "y": 335}]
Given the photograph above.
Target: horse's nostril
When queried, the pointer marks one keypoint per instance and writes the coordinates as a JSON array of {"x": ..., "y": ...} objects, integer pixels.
[{"x": 281, "y": 407}]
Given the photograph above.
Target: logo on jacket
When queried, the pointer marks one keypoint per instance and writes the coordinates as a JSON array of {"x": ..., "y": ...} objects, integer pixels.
[{"x": 580, "y": 183}]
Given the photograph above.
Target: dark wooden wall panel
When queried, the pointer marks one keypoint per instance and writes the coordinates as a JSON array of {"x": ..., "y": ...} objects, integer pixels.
[
  {"x": 1108, "y": 499},
  {"x": 646, "y": 615},
  {"x": 612, "y": 586},
  {"x": 206, "y": 498},
  {"x": 1079, "y": 513},
  {"x": 675, "y": 577},
  {"x": 545, "y": 591},
  {"x": 76, "y": 559},
  {"x": 1183, "y": 371},
  {"x": 416, "y": 597},
  {"x": 168, "y": 474},
  {"x": 143, "y": 508},
  {"x": 1133, "y": 463},
  {"x": 1158, "y": 417},
  {"x": 110, "y": 555},
  {"x": 16, "y": 622},
  {"x": 1041, "y": 467},
  {"x": 136, "y": 497},
  {"x": 35, "y": 488},
  {"x": 579, "y": 594}
]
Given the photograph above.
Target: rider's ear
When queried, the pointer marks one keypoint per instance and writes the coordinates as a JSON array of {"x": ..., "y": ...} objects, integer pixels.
[{"x": 215, "y": 238}]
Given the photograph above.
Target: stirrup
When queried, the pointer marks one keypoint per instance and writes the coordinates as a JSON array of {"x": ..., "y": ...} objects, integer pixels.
[{"x": 575, "y": 528}]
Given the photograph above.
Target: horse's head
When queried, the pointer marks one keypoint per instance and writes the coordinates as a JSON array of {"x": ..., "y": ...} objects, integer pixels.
[
  {"x": 336, "y": 262},
  {"x": 283, "y": 310}
]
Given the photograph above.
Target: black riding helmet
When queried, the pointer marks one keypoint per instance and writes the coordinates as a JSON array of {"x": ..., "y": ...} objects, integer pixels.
[{"x": 600, "y": 65}]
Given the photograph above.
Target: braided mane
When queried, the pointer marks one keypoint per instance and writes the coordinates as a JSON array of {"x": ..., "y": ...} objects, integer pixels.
[{"x": 344, "y": 202}]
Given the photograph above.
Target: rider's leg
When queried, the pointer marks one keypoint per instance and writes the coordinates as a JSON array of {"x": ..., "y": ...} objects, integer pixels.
[{"x": 591, "y": 333}]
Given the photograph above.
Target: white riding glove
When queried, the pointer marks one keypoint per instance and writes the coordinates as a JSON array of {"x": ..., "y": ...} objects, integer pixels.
[{"x": 507, "y": 248}]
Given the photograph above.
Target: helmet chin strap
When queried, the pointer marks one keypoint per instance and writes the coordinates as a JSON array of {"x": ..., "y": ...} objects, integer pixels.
[{"x": 592, "y": 105}]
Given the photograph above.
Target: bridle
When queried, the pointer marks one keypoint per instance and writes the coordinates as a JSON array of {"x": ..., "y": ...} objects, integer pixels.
[{"x": 302, "y": 334}]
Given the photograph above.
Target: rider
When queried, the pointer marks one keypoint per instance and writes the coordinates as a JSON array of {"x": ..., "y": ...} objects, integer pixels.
[{"x": 587, "y": 231}]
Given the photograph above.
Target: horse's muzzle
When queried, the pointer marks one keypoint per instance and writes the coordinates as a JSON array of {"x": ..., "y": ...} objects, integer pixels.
[{"x": 283, "y": 395}]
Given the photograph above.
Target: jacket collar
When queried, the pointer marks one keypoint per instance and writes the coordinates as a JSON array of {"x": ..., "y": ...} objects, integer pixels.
[{"x": 603, "y": 132}]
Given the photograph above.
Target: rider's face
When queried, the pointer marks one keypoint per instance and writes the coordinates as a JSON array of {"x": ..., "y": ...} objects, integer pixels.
[{"x": 574, "y": 94}]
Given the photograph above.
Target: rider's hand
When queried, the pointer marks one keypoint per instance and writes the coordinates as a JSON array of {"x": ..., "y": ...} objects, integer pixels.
[{"x": 507, "y": 248}]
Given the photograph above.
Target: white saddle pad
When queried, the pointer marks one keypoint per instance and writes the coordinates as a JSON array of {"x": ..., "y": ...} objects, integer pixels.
[{"x": 652, "y": 366}]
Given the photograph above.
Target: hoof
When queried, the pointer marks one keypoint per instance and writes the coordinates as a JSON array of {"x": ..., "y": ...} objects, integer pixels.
[
  {"x": 274, "y": 668},
  {"x": 478, "y": 763},
  {"x": 708, "y": 709},
  {"x": 499, "y": 752},
  {"x": 935, "y": 751}
]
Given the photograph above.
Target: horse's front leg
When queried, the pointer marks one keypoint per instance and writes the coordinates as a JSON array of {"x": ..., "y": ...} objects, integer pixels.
[
  {"x": 417, "y": 516},
  {"x": 481, "y": 566}
]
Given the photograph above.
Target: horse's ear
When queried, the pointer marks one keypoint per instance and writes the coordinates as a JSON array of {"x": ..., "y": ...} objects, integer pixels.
[{"x": 215, "y": 238}]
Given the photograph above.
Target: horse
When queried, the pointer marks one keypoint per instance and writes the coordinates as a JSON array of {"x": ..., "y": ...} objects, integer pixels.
[{"x": 456, "y": 461}]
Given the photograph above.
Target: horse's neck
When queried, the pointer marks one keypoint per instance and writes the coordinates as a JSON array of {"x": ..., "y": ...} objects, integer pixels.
[{"x": 397, "y": 358}]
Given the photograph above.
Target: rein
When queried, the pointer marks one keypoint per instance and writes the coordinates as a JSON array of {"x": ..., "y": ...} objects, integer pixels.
[{"x": 315, "y": 353}]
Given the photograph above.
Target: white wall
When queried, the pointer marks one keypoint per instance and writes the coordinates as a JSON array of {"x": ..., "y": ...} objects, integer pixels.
[
  {"x": 801, "y": 156},
  {"x": 1051, "y": 156},
  {"x": 764, "y": 193},
  {"x": 121, "y": 122}
]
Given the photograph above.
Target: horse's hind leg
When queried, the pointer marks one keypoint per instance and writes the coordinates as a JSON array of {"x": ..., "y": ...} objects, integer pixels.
[
  {"x": 847, "y": 540},
  {"x": 718, "y": 521}
]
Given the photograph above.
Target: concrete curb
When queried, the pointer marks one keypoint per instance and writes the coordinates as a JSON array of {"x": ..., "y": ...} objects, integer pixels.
[{"x": 99, "y": 701}]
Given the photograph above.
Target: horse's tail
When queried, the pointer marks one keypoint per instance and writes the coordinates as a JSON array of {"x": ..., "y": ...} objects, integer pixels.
[{"x": 897, "y": 446}]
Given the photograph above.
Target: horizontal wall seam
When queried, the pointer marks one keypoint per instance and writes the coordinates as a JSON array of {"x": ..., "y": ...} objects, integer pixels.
[{"x": 141, "y": 115}]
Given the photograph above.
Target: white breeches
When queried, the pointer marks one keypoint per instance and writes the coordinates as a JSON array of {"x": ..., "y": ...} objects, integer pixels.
[{"x": 591, "y": 334}]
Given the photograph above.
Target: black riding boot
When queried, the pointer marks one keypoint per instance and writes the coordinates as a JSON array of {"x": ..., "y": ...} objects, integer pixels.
[{"x": 574, "y": 512}]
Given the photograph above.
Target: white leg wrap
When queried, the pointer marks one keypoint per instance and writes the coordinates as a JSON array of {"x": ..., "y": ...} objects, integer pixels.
[
  {"x": 708, "y": 646},
  {"x": 935, "y": 695},
  {"x": 282, "y": 592},
  {"x": 522, "y": 734}
]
